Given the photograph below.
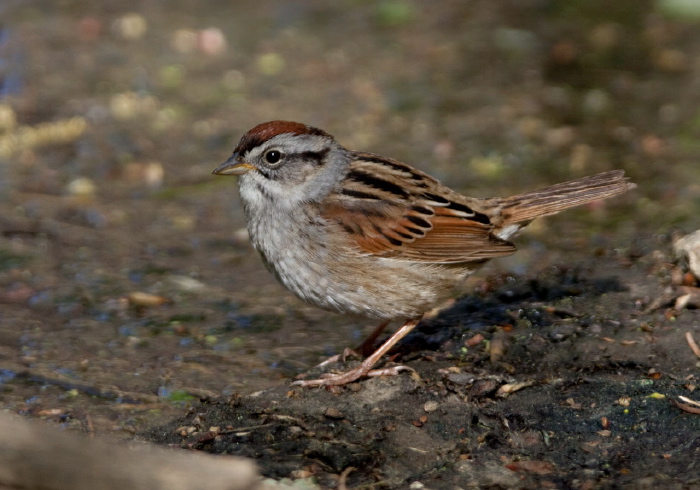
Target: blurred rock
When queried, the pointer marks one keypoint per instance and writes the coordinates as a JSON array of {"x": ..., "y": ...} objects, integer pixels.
[
  {"x": 689, "y": 246},
  {"x": 89, "y": 29},
  {"x": 81, "y": 187},
  {"x": 184, "y": 41},
  {"x": 270, "y": 64},
  {"x": 596, "y": 102},
  {"x": 130, "y": 27},
  {"x": 186, "y": 283},
  {"x": 560, "y": 137},
  {"x": 517, "y": 42},
  {"x": 8, "y": 120},
  {"x": 149, "y": 173},
  {"x": 130, "y": 105},
  {"x": 211, "y": 41},
  {"x": 605, "y": 36},
  {"x": 671, "y": 60}
]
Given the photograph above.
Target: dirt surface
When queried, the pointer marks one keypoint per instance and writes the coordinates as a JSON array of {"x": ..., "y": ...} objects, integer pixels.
[
  {"x": 129, "y": 292},
  {"x": 572, "y": 386}
]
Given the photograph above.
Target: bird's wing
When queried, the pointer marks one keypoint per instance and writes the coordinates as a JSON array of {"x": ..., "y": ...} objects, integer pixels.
[{"x": 390, "y": 209}]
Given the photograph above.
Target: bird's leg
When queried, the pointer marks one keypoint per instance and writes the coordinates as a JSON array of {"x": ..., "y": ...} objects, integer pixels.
[
  {"x": 365, "y": 369},
  {"x": 363, "y": 350},
  {"x": 367, "y": 346}
]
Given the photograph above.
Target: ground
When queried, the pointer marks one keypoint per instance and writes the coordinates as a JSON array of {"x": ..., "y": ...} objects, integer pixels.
[
  {"x": 579, "y": 393},
  {"x": 132, "y": 304}
]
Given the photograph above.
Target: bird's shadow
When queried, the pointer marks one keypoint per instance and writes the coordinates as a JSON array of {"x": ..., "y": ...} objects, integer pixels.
[{"x": 508, "y": 300}]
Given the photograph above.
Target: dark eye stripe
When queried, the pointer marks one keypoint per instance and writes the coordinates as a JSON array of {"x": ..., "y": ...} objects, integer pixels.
[
  {"x": 377, "y": 183},
  {"x": 317, "y": 157}
]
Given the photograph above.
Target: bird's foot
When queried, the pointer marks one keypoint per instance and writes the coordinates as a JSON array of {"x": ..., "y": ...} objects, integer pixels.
[
  {"x": 364, "y": 370},
  {"x": 342, "y": 357}
]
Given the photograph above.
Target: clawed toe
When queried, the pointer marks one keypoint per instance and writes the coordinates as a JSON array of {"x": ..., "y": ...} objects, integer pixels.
[
  {"x": 390, "y": 371},
  {"x": 352, "y": 375},
  {"x": 364, "y": 369},
  {"x": 347, "y": 352}
]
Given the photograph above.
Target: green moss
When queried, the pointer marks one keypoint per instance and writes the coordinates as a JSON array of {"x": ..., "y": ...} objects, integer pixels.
[{"x": 10, "y": 260}]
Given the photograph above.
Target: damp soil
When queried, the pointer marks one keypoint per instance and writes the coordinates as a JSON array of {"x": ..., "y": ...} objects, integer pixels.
[{"x": 567, "y": 379}]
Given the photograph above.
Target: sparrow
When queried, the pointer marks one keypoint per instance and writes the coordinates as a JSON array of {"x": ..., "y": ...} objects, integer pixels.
[{"x": 363, "y": 234}]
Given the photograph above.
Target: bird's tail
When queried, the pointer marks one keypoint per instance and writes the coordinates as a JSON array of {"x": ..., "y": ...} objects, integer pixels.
[{"x": 551, "y": 200}]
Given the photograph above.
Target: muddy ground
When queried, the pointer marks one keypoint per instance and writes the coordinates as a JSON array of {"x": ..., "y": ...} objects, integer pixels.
[
  {"x": 129, "y": 292},
  {"x": 572, "y": 386}
]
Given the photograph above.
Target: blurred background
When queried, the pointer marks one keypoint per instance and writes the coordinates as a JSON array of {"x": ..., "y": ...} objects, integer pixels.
[{"x": 127, "y": 287}]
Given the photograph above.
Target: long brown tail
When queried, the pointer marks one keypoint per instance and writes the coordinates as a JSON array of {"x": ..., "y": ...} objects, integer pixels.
[{"x": 551, "y": 200}]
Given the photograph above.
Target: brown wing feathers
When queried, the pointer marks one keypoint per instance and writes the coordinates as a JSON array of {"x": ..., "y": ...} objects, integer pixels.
[{"x": 415, "y": 221}]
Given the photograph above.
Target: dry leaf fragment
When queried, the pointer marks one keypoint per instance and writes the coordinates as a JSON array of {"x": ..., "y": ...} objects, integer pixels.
[
  {"x": 573, "y": 404},
  {"x": 509, "y": 388},
  {"x": 688, "y": 400},
  {"x": 475, "y": 340},
  {"x": 657, "y": 395},
  {"x": 138, "y": 298},
  {"x": 496, "y": 349},
  {"x": 624, "y": 401},
  {"x": 690, "y": 406},
  {"x": 682, "y": 302}
]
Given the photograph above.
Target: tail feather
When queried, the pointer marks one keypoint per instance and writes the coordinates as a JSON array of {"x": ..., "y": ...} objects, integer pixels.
[{"x": 551, "y": 200}]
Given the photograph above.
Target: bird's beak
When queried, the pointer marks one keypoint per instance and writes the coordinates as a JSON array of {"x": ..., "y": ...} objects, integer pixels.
[{"x": 233, "y": 166}]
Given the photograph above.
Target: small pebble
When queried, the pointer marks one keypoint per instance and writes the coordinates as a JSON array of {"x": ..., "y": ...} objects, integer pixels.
[
  {"x": 81, "y": 187},
  {"x": 431, "y": 406},
  {"x": 562, "y": 332},
  {"x": 461, "y": 378},
  {"x": 333, "y": 413},
  {"x": 689, "y": 246}
]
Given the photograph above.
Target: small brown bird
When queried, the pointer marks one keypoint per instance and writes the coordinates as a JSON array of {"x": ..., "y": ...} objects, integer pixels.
[{"x": 360, "y": 233}]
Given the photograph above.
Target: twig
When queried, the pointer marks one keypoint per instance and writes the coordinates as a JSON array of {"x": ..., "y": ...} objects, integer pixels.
[
  {"x": 344, "y": 477},
  {"x": 693, "y": 345}
]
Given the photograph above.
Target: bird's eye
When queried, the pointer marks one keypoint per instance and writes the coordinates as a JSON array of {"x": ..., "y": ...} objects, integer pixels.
[{"x": 273, "y": 156}]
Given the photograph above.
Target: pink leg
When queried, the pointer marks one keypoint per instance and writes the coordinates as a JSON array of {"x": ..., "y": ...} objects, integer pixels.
[
  {"x": 363, "y": 350},
  {"x": 367, "y": 346},
  {"x": 365, "y": 369}
]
